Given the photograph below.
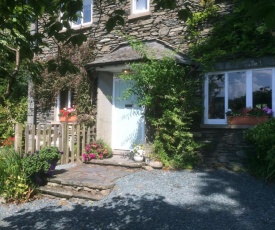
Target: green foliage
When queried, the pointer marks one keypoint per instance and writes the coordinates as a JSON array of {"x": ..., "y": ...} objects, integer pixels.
[
  {"x": 11, "y": 113},
  {"x": 40, "y": 164},
  {"x": 33, "y": 165},
  {"x": 232, "y": 36},
  {"x": 261, "y": 11},
  {"x": 14, "y": 184},
  {"x": 169, "y": 93},
  {"x": 49, "y": 154},
  {"x": 48, "y": 87},
  {"x": 262, "y": 157},
  {"x": 17, "y": 188}
]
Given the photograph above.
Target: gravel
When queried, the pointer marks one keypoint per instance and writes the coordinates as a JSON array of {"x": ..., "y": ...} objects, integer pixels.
[{"x": 203, "y": 199}]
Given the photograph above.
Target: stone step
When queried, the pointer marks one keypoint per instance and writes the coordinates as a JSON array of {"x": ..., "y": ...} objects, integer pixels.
[
  {"x": 121, "y": 152},
  {"x": 118, "y": 160},
  {"x": 58, "y": 189}
]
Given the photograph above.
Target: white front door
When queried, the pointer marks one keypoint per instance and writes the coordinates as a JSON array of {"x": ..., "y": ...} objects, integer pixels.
[{"x": 128, "y": 123}]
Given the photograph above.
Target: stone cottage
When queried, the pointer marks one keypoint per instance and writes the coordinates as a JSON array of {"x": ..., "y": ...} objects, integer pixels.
[{"x": 120, "y": 122}]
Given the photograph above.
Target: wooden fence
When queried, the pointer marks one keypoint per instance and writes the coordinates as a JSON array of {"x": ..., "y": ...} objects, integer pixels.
[{"x": 69, "y": 138}]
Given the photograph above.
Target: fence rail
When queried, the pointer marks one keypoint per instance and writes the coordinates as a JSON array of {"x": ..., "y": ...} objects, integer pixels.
[{"x": 69, "y": 138}]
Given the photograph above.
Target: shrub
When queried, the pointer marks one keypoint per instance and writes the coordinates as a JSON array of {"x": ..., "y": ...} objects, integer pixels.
[
  {"x": 11, "y": 113},
  {"x": 262, "y": 158},
  {"x": 34, "y": 167},
  {"x": 50, "y": 154},
  {"x": 37, "y": 165},
  {"x": 14, "y": 183},
  {"x": 97, "y": 150},
  {"x": 169, "y": 93}
]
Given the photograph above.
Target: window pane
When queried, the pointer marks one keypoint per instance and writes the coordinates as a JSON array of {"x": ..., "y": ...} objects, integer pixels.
[
  {"x": 141, "y": 4},
  {"x": 236, "y": 91},
  {"x": 216, "y": 109},
  {"x": 87, "y": 11},
  {"x": 73, "y": 98},
  {"x": 78, "y": 22},
  {"x": 262, "y": 87},
  {"x": 63, "y": 99}
]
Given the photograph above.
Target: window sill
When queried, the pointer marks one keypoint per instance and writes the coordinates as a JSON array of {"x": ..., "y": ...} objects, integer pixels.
[
  {"x": 224, "y": 126},
  {"x": 78, "y": 27},
  {"x": 139, "y": 15},
  {"x": 83, "y": 26}
]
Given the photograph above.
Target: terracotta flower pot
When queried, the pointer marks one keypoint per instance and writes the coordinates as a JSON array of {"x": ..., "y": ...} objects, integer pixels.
[
  {"x": 68, "y": 119},
  {"x": 246, "y": 120}
]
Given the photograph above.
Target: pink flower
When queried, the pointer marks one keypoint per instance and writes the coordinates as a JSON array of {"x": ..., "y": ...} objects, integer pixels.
[
  {"x": 92, "y": 156},
  {"x": 94, "y": 145},
  {"x": 85, "y": 157},
  {"x": 101, "y": 156},
  {"x": 88, "y": 149}
]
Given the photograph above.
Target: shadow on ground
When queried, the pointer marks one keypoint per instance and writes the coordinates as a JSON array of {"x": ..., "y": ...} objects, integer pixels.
[{"x": 220, "y": 201}]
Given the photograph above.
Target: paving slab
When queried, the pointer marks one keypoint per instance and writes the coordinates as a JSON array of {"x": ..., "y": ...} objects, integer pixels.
[{"x": 91, "y": 175}]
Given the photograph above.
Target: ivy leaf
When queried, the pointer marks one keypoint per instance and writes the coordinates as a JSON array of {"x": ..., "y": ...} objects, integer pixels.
[
  {"x": 113, "y": 21},
  {"x": 119, "y": 12},
  {"x": 52, "y": 66},
  {"x": 67, "y": 66},
  {"x": 184, "y": 14},
  {"x": 164, "y": 4},
  {"x": 77, "y": 39},
  {"x": 270, "y": 20}
]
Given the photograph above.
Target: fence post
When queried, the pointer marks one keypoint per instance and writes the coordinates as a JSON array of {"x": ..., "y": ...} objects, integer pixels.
[
  {"x": 18, "y": 138},
  {"x": 65, "y": 134}
]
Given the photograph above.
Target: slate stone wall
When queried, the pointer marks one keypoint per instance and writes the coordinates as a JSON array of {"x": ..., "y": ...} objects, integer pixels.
[{"x": 223, "y": 148}]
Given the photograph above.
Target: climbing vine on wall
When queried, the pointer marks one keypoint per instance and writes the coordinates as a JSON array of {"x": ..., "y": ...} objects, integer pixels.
[
  {"x": 230, "y": 35},
  {"x": 52, "y": 82}
]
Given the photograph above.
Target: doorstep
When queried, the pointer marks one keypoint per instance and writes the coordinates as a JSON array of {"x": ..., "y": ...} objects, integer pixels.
[{"x": 118, "y": 160}]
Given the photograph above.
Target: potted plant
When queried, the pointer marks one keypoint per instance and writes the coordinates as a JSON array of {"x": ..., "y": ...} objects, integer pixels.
[
  {"x": 41, "y": 163},
  {"x": 67, "y": 115},
  {"x": 138, "y": 153},
  {"x": 248, "y": 116}
]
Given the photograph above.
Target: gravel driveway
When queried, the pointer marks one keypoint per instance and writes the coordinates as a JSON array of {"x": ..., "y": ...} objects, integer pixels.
[{"x": 203, "y": 199}]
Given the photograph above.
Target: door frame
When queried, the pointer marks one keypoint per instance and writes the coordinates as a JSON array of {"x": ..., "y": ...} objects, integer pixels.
[{"x": 114, "y": 115}]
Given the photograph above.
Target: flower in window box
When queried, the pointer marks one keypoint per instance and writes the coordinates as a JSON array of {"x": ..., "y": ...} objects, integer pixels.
[
  {"x": 67, "y": 112},
  {"x": 248, "y": 116},
  {"x": 251, "y": 112}
]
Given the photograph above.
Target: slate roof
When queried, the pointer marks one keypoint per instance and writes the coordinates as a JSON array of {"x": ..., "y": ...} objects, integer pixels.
[{"x": 124, "y": 54}]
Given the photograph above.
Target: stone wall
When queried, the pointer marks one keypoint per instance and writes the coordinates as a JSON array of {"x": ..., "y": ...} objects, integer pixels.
[{"x": 223, "y": 148}]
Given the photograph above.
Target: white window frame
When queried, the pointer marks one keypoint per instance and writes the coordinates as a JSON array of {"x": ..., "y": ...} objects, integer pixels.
[
  {"x": 249, "y": 93},
  {"x": 58, "y": 104},
  {"x": 135, "y": 11},
  {"x": 82, "y": 24}
]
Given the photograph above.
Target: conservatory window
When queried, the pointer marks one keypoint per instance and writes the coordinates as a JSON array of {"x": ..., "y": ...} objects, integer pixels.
[
  {"x": 85, "y": 16},
  {"x": 234, "y": 90},
  {"x": 261, "y": 88},
  {"x": 216, "y": 96}
]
